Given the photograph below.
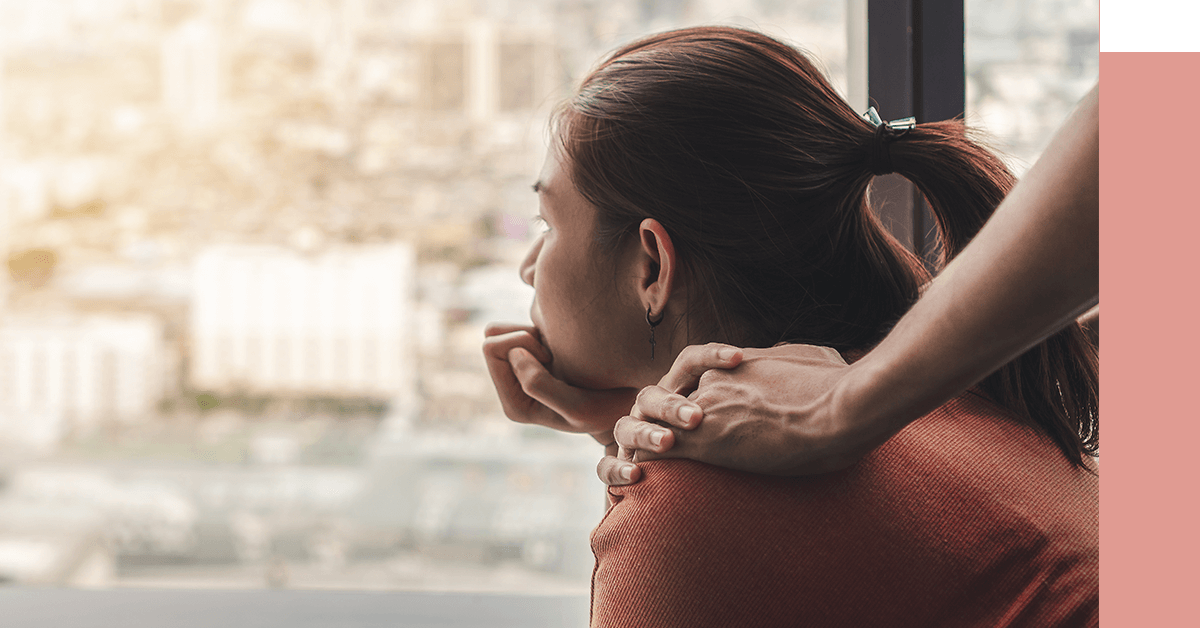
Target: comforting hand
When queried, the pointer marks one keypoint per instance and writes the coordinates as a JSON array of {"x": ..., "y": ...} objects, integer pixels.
[
  {"x": 517, "y": 360},
  {"x": 761, "y": 410}
]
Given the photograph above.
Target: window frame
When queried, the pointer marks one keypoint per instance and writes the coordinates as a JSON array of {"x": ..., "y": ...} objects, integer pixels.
[{"x": 915, "y": 66}]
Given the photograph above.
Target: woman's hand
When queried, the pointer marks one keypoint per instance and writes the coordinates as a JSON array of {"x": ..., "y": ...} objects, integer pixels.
[
  {"x": 517, "y": 360},
  {"x": 761, "y": 410}
]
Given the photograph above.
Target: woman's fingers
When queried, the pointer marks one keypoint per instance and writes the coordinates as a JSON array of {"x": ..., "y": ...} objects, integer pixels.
[
  {"x": 518, "y": 406},
  {"x": 659, "y": 404},
  {"x": 540, "y": 385},
  {"x": 500, "y": 338},
  {"x": 582, "y": 410},
  {"x": 694, "y": 360},
  {"x": 535, "y": 380},
  {"x": 498, "y": 328}
]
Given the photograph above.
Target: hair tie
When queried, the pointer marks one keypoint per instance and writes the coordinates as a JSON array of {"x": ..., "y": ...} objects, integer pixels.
[{"x": 879, "y": 156}]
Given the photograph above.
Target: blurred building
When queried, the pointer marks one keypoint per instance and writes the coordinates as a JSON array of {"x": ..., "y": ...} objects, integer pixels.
[
  {"x": 191, "y": 74},
  {"x": 337, "y": 323},
  {"x": 243, "y": 173},
  {"x": 74, "y": 374}
]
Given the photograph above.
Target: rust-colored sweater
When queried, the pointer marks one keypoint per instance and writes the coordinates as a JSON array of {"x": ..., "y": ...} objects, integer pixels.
[{"x": 964, "y": 518}]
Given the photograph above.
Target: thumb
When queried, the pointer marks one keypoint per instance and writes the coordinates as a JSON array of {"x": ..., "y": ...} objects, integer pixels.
[
  {"x": 538, "y": 383},
  {"x": 590, "y": 411},
  {"x": 531, "y": 373}
]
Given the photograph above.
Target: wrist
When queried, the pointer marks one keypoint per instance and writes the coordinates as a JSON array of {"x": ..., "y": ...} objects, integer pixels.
[
  {"x": 855, "y": 403},
  {"x": 862, "y": 411}
]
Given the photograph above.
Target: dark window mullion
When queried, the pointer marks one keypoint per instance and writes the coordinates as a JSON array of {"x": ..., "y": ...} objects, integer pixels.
[{"x": 915, "y": 67}]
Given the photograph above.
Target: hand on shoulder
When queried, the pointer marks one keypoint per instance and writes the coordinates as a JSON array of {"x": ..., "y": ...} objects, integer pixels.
[{"x": 770, "y": 411}]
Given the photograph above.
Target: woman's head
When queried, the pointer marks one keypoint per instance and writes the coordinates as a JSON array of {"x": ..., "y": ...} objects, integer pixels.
[
  {"x": 738, "y": 149},
  {"x": 755, "y": 172},
  {"x": 759, "y": 171},
  {"x": 588, "y": 301}
]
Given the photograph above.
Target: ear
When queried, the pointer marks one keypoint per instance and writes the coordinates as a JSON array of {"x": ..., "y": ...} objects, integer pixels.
[{"x": 656, "y": 265}]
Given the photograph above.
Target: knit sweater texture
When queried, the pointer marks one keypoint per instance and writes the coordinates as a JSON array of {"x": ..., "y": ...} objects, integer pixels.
[{"x": 965, "y": 518}]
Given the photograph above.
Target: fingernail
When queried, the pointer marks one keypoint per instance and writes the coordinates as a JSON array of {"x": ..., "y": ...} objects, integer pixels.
[
  {"x": 656, "y": 438},
  {"x": 686, "y": 413},
  {"x": 726, "y": 354},
  {"x": 626, "y": 472}
]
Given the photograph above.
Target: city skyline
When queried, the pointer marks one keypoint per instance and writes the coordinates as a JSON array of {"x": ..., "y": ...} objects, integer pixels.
[{"x": 165, "y": 164}]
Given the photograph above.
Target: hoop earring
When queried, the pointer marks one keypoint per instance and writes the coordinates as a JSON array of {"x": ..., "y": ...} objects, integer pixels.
[{"x": 653, "y": 324}]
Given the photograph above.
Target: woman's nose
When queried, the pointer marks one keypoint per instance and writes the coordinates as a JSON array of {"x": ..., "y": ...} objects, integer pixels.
[{"x": 530, "y": 262}]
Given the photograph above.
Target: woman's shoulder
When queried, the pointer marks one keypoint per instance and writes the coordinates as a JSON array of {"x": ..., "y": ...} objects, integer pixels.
[
  {"x": 965, "y": 503},
  {"x": 974, "y": 444},
  {"x": 968, "y": 461}
]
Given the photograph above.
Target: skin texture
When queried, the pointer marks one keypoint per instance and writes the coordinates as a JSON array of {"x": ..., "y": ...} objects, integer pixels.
[
  {"x": 571, "y": 370},
  {"x": 797, "y": 409}
]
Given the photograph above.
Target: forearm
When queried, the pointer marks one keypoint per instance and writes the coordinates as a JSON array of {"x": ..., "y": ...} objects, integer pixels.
[{"x": 1032, "y": 269}]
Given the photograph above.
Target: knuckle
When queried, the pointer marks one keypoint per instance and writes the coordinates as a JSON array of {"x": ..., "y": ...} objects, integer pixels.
[
  {"x": 607, "y": 471},
  {"x": 533, "y": 379},
  {"x": 625, "y": 433},
  {"x": 514, "y": 416},
  {"x": 835, "y": 354},
  {"x": 703, "y": 358},
  {"x": 706, "y": 378},
  {"x": 644, "y": 397}
]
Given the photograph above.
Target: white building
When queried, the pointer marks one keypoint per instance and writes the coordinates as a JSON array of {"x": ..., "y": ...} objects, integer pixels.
[
  {"x": 271, "y": 320},
  {"x": 191, "y": 74},
  {"x": 73, "y": 374}
]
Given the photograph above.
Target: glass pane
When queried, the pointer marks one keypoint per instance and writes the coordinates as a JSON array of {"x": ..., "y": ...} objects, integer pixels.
[
  {"x": 251, "y": 247},
  {"x": 517, "y": 76},
  {"x": 1028, "y": 63}
]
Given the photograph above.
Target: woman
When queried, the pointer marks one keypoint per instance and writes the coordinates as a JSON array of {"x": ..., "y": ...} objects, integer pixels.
[
  {"x": 1030, "y": 270},
  {"x": 709, "y": 185}
]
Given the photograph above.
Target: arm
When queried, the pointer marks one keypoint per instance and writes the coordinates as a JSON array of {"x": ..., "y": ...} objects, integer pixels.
[{"x": 1032, "y": 269}]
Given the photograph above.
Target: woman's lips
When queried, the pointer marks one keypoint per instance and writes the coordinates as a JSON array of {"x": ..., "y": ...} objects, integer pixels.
[{"x": 535, "y": 318}]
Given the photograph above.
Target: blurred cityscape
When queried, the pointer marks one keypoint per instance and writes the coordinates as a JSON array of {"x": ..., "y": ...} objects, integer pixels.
[{"x": 251, "y": 246}]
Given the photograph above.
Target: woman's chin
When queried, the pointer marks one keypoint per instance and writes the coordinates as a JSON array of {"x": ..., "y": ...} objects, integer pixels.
[
  {"x": 583, "y": 378},
  {"x": 592, "y": 380}
]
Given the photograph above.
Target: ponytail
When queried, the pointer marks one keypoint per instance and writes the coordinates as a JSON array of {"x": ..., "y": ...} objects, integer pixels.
[
  {"x": 759, "y": 170},
  {"x": 1054, "y": 385}
]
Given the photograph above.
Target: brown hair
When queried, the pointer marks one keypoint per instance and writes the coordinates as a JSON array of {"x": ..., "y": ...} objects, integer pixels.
[{"x": 758, "y": 170}]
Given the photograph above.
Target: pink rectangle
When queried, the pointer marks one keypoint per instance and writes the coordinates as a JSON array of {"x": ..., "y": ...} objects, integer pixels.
[{"x": 1149, "y": 221}]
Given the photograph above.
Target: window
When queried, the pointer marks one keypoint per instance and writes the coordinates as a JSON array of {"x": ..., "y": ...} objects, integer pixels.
[{"x": 354, "y": 455}]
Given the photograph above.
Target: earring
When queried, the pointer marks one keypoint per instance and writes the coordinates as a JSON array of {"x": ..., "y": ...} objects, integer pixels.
[{"x": 653, "y": 324}]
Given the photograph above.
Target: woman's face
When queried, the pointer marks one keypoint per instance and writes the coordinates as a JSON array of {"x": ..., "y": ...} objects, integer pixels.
[{"x": 585, "y": 302}]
